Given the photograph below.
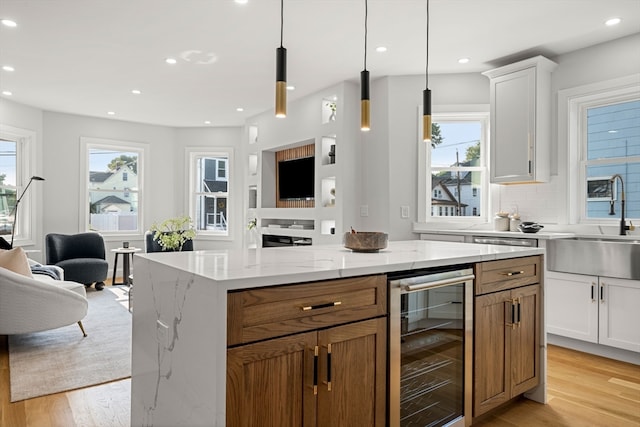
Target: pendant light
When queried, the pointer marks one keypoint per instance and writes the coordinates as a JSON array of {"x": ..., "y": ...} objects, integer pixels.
[
  {"x": 281, "y": 72},
  {"x": 426, "y": 94},
  {"x": 365, "y": 109}
]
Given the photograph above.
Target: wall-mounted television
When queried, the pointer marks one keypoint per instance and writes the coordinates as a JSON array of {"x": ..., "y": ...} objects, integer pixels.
[{"x": 296, "y": 179}]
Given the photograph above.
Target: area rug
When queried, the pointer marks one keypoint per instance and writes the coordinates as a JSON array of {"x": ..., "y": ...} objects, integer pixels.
[{"x": 62, "y": 359}]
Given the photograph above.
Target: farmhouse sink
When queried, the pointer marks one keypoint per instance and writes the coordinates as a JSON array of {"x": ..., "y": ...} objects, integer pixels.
[{"x": 597, "y": 256}]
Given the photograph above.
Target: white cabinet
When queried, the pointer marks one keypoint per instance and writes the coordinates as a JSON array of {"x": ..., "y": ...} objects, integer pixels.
[
  {"x": 620, "y": 313},
  {"x": 521, "y": 121},
  {"x": 601, "y": 310}
]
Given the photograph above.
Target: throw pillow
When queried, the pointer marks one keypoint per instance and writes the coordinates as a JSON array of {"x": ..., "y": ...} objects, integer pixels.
[{"x": 15, "y": 260}]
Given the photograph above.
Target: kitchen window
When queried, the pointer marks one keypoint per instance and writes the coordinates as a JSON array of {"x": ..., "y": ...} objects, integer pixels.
[
  {"x": 455, "y": 173},
  {"x": 209, "y": 191},
  {"x": 605, "y": 140},
  {"x": 16, "y": 168},
  {"x": 113, "y": 186}
]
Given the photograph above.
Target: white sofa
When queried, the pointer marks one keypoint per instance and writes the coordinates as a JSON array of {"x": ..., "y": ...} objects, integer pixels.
[{"x": 40, "y": 303}]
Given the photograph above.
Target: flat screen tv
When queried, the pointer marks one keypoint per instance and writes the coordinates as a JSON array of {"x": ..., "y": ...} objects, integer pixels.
[{"x": 296, "y": 179}]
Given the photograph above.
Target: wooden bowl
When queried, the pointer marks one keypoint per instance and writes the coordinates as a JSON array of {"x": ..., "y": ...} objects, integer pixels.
[{"x": 365, "y": 241}]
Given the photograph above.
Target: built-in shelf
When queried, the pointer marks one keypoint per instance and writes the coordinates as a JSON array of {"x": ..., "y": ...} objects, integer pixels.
[
  {"x": 253, "y": 164},
  {"x": 328, "y": 147},
  {"x": 329, "y": 109},
  {"x": 253, "y": 196},
  {"x": 328, "y": 227},
  {"x": 329, "y": 191},
  {"x": 253, "y": 134}
]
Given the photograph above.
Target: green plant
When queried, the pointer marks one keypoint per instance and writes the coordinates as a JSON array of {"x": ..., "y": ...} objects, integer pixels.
[{"x": 173, "y": 233}]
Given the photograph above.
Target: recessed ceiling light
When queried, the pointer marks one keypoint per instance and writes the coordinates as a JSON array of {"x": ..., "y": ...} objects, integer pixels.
[
  {"x": 111, "y": 113},
  {"x": 613, "y": 131},
  {"x": 9, "y": 23},
  {"x": 381, "y": 49},
  {"x": 207, "y": 122},
  {"x": 290, "y": 87},
  {"x": 240, "y": 109},
  {"x": 136, "y": 92},
  {"x": 463, "y": 61},
  {"x": 613, "y": 21},
  {"x": 7, "y": 92},
  {"x": 171, "y": 61},
  {"x": 242, "y": 1},
  {"x": 8, "y": 68}
]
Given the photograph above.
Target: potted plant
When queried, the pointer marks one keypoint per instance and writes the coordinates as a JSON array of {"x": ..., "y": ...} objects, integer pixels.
[{"x": 174, "y": 233}]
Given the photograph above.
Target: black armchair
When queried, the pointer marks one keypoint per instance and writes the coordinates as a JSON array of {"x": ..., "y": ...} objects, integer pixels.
[{"x": 82, "y": 256}]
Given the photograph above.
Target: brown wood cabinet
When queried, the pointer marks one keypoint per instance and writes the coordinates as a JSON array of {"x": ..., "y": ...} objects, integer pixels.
[
  {"x": 332, "y": 373},
  {"x": 507, "y": 330}
]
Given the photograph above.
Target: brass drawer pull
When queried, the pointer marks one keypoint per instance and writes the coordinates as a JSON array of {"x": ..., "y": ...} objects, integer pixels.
[
  {"x": 314, "y": 307},
  {"x": 513, "y": 273}
]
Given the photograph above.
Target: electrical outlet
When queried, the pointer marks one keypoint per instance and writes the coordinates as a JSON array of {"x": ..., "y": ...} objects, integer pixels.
[
  {"x": 364, "y": 210},
  {"x": 404, "y": 211}
]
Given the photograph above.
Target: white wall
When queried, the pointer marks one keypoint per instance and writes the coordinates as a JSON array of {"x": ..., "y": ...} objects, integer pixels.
[{"x": 391, "y": 152}]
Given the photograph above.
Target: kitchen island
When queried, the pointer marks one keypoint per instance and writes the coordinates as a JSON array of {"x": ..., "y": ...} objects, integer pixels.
[{"x": 180, "y": 313}]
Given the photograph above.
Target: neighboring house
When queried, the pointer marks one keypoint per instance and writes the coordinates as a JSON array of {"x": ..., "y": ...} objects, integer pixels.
[
  {"x": 109, "y": 191},
  {"x": 443, "y": 202},
  {"x": 215, "y": 183}
]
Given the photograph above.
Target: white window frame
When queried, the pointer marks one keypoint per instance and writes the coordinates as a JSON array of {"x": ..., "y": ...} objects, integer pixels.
[
  {"x": 574, "y": 103},
  {"x": 192, "y": 156},
  {"x": 453, "y": 113},
  {"x": 89, "y": 143},
  {"x": 25, "y": 166}
]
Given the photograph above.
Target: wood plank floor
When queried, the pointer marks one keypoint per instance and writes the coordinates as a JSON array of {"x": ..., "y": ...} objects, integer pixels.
[{"x": 584, "y": 390}]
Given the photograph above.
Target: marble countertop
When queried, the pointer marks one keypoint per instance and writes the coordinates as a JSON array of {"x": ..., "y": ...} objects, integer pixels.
[
  {"x": 246, "y": 268},
  {"x": 546, "y": 235}
]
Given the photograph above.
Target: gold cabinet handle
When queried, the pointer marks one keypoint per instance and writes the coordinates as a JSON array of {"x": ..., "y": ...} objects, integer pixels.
[
  {"x": 512, "y": 273},
  {"x": 315, "y": 307},
  {"x": 315, "y": 370}
]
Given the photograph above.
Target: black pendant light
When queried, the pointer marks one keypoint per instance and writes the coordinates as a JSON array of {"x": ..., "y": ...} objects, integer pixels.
[
  {"x": 426, "y": 94},
  {"x": 281, "y": 71},
  {"x": 365, "y": 108}
]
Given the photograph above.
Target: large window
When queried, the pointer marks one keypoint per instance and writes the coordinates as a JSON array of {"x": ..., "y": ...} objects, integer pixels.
[
  {"x": 456, "y": 177},
  {"x": 605, "y": 141},
  {"x": 209, "y": 196},
  {"x": 15, "y": 172},
  {"x": 113, "y": 186}
]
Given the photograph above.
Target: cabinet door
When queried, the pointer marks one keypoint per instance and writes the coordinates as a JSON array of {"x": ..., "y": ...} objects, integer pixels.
[
  {"x": 493, "y": 322},
  {"x": 620, "y": 313},
  {"x": 572, "y": 305},
  {"x": 525, "y": 341},
  {"x": 270, "y": 384},
  {"x": 352, "y": 383},
  {"x": 513, "y": 126}
]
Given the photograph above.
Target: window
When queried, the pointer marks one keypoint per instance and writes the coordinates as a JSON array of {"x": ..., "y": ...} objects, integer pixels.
[
  {"x": 604, "y": 141},
  {"x": 209, "y": 195},
  {"x": 456, "y": 171},
  {"x": 15, "y": 173},
  {"x": 113, "y": 191}
]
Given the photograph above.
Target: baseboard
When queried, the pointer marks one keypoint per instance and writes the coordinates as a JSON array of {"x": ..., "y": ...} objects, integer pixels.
[{"x": 597, "y": 349}]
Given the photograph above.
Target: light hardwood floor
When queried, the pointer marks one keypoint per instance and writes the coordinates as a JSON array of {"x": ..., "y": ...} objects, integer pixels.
[{"x": 583, "y": 390}]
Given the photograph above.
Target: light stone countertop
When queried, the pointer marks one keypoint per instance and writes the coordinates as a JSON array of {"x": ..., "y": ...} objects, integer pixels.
[{"x": 246, "y": 268}]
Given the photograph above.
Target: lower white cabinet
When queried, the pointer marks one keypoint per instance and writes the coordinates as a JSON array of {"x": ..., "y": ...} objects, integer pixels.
[{"x": 602, "y": 310}]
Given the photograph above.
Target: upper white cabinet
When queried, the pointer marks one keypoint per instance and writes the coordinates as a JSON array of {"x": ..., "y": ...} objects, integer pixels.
[{"x": 521, "y": 121}]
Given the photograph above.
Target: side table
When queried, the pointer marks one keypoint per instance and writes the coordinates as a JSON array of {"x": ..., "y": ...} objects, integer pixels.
[{"x": 127, "y": 259}]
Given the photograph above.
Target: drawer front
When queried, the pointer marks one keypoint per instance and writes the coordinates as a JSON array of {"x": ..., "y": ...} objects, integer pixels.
[
  {"x": 257, "y": 314},
  {"x": 494, "y": 276}
]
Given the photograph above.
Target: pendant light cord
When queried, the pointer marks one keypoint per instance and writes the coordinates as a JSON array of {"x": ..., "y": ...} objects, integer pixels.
[
  {"x": 427, "y": 66},
  {"x": 366, "y": 13},
  {"x": 281, "y": 21}
]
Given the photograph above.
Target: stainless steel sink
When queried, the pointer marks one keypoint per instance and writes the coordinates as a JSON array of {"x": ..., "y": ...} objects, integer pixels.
[{"x": 597, "y": 256}]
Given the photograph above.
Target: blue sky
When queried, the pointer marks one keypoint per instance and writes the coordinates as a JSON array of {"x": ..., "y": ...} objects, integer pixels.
[{"x": 457, "y": 136}]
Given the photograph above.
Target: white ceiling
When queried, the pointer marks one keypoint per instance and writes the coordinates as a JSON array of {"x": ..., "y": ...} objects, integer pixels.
[{"x": 85, "y": 56}]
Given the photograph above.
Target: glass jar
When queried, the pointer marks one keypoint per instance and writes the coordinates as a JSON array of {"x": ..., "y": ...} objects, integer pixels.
[
  {"x": 514, "y": 222},
  {"x": 501, "y": 222}
]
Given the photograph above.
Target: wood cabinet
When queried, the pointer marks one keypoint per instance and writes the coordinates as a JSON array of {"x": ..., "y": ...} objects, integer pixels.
[
  {"x": 595, "y": 309},
  {"x": 333, "y": 373},
  {"x": 506, "y": 331},
  {"x": 520, "y": 97}
]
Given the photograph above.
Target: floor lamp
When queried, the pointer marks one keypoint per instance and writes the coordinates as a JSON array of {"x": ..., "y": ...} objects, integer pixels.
[{"x": 15, "y": 213}]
